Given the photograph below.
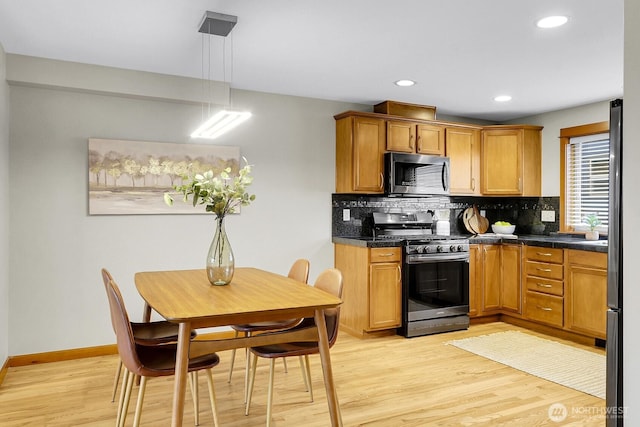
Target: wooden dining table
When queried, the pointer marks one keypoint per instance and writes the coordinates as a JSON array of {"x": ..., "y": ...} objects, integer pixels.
[{"x": 187, "y": 298}]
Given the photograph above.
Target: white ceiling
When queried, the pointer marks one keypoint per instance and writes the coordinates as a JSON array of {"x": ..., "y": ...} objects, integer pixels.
[{"x": 462, "y": 53}]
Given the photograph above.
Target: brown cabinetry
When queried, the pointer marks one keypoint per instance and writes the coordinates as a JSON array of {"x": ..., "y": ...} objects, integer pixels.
[
  {"x": 462, "y": 146},
  {"x": 372, "y": 288},
  {"x": 511, "y": 160},
  {"x": 475, "y": 280},
  {"x": 409, "y": 137},
  {"x": 360, "y": 147},
  {"x": 544, "y": 285},
  {"x": 501, "y": 279},
  {"x": 585, "y": 301}
]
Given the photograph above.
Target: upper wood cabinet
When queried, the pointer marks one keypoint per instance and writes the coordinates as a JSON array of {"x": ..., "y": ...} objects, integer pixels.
[
  {"x": 409, "y": 137},
  {"x": 511, "y": 160},
  {"x": 360, "y": 147},
  {"x": 462, "y": 146}
]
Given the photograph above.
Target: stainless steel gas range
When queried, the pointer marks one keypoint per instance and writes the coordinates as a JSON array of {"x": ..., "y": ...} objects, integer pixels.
[{"x": 435, "y": 278}]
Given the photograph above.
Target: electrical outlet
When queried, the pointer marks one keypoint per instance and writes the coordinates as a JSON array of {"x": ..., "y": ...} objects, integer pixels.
[
  {"x": 483, "y": 212},
  {"x": 548, "y": 216},
  {"x": 346, "y": 214}
]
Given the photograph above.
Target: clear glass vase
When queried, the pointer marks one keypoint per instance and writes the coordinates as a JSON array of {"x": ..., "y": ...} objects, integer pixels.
[{"x": 220, "y": 262}]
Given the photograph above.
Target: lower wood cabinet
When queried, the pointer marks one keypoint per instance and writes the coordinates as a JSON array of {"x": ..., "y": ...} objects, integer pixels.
[
  {"x": 543, "y": 277},
  {"x": 372, "y": 292},
  {"x": 501, "y": 288},
  {"x": 585, "y": 300}
]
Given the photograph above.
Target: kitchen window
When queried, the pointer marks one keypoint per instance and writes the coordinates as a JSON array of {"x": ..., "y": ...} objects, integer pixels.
[{"x": 584, "y": 176}]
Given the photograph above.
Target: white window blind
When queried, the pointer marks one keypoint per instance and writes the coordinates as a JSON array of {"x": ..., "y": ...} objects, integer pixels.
[{"x": 587, "y": 180}]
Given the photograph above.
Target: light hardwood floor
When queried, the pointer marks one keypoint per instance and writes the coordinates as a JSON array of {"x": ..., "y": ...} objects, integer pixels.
[{"x": 390, "y": 381}]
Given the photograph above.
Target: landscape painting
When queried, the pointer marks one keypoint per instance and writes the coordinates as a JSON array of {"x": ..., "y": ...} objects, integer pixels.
[{"x": 131, "y": 177}]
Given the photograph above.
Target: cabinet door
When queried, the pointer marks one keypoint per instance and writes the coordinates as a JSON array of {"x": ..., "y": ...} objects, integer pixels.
[
  {"x": 385, "y": 295},
  {"x": 368, "y": 154},
  {"x": 430, "y": 139},
  {"x": 463, "y": 149},
  {"x": 475, "y": 280},
  {"x": 401, "y": 136},
  {"x": 491, "y": 277},
  {"x": 502, "y": 161},
  {"x": 511, "y": 278},
  {"x": 586, "y": 296}
]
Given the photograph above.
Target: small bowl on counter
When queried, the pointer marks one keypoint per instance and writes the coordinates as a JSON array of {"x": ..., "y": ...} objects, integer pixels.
[{"x": 503, "y": 229}]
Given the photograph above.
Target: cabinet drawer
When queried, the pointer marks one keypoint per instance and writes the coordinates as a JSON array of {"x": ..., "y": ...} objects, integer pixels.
[
  {"x": 544, "y": 308},
  {"x": 386, "y": 254},
  {"x": 536, "y": 253},
  {"x": 543, "y": 269},
  {"x": 546, "y": 286}
]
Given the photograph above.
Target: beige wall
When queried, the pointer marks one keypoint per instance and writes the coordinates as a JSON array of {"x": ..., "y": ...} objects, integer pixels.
[
  {"x": 57, "y": 250},
  {"x": 4, "y": 210},
  {"x": 553, "y": 122},
  {"x": 631, "y": 207}
]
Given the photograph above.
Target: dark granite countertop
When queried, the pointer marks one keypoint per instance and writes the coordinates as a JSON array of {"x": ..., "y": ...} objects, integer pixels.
[{"x": 562, "y": 242}]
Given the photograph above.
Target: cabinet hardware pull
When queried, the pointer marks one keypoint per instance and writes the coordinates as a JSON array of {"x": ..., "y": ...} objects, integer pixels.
[
  {"x": 399, "y": 273},
  {"x": 544, "y": 308},
  {"x": 543, "y": 254},
  {"x": 543, "y": 285},
  {"x": 388, "y": 254},
  {"x": 381, "y": 180},
  {"x": 547, "y": 270},
  {"x": 473, "y": 184}
]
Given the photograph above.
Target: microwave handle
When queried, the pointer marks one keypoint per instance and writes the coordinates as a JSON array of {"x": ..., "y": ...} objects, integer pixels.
[{"x": 445, "y": 176}]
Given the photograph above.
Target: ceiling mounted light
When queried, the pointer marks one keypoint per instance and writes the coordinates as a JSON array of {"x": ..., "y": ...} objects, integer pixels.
[
  {"x": 218, "y": 24},
  {"x": 405, "y": 83},
  {"x": 502, "y": 98},
  {"x": 552, "y": 21}
]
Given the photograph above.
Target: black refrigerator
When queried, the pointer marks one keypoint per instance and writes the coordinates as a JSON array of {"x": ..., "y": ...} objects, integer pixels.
[{"x": 614, "y": 400}]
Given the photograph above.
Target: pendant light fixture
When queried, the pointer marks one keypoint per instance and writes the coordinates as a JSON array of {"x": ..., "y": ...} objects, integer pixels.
[{"x": 218, "y": 24}]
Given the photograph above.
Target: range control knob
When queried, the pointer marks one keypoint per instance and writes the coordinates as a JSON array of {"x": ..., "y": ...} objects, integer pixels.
[
  {"x": 440, "y": 249},
  {"x": 460, "y": 248},
  {"x": 453, "y": 248},
  {"x": 420, "y": 249}
]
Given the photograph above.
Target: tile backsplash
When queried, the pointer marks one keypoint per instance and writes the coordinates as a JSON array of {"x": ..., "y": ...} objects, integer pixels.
[{"x": 352, "y": 213}]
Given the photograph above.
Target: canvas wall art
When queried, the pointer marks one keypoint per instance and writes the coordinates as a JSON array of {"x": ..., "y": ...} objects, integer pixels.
[{"x": 131, "y": 177}]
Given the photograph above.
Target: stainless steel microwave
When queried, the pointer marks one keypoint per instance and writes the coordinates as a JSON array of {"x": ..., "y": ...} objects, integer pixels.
[{"x": 416, "y": 174}]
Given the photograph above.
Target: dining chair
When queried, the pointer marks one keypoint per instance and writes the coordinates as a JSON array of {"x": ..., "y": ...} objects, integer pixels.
[
  {"x": 330, "y": 281},
  {"x": 299, "y": 271},
  {"x": 145, "y": 333},
  {"x": 151, "y": 361}
]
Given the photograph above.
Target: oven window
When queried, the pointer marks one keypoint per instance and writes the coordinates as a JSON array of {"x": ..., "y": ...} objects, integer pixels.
[{"x": 439, "y": 284}]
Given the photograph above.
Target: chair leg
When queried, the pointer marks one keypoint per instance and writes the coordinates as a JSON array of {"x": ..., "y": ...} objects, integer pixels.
[
  {"x": 246, "y": 370},
  {"x": 141, "y": 390},
  {"x": 212, "y": 397},
  {"x": 272, "y": 364},
  {"x": 127, "y": 398},
  {"x": 303, "y": 371},
  {"x": 116, "y": 380},
  {"x": 233, "y": 358},
  {"x": 193, "y": 384},
  {"x": 251, "y": 383},
  {"x": 123, "y": 389},
  {"x": 308, "y": 375}
]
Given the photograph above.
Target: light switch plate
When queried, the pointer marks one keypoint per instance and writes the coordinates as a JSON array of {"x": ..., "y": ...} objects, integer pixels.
[
  {"x": 346, "y": 214},
  {"x": 548, "y": 216}
]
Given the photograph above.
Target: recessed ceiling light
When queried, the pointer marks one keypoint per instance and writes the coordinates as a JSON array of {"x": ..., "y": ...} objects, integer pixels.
[
  {"x": 502, "y": 98},
  {"x": 552, "y": 21},
  {"x": 405, "y": 83}
]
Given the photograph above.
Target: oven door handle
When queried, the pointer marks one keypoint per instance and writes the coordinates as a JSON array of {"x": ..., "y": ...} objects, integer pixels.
[{"x": 431, "y": 258}]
